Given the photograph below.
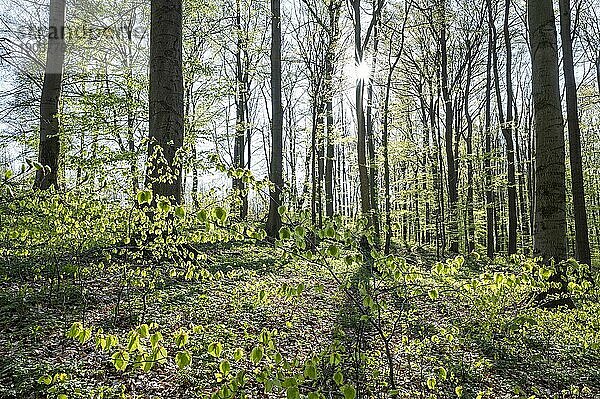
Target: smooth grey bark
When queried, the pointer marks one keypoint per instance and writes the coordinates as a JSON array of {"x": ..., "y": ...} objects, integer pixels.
[
  {"x": 449, "y": 138},
  {"x": 470, "y": 217},
  {"x": 276, "y": 167},
  {"x": 164, "y": 173},
  {"x": 333, "y": 33},
  {"x": 370, "y": 132},
  {"x": 240, "y": 112},
  {"x": 582, "y": 240},
  {"x": 49, "y": 146},
  {"x": 550, "y": 195},
  {"x": 363, "y": 172},
  {"x": 487, "y": 165},
  {"x": 507, "y": 132}
]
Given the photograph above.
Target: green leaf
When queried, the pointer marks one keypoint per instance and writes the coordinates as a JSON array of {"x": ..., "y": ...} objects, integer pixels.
[
  {"x": 257, "y": 354},
  {"x": 180, "y": 211},
  {"x": 220, "y": 214},
  {"x": 442, "y": 373},
  {"x": 282, "y": 210},
  {"x": 338, "y": 377},
  {"x": 134, "y": 342},
  {"x": 120, "y": 360},
  {"x": 46, "y": 380},
  {"x": 262, "y": 295},
  {"x": 224, "y": 367},
  {"x": 75, "y": 330},
  {"x": 310, "y": 371},
  {"x": 433, "y": 294},
  {"x": 183, "y": 359},
  {"x": 349, "y": 392},
  {"x": 147, "y": 363},
  {"x": 181, "y": 338},
  {"x": 155, "y": 338},
  {"x": 164, "y": 205},
  {"x": 284, "y": 233},
  {"x": 144, "y": 197},
  {"x": 545, "y": 273},
  {"x": 62, "y": 396},
  {"x": 431, "y": 383},
  {"x": 215, "y": 349},
  {"x": 300, "y": 232},
  {"x": 458, "y": 391},
  {"x": 85, "y": 335},
  {"x": 292, "y": 393},
  {"x": 203, "y": 215},
  {"x": 333, "y": 251},
  {"x": 238, "y": 354},
  {"x": 300, "y": 243},
  {"x": 330, "y": 232},
  {"x": 335, "y": 359},
  {"x": 143, "y": 330},
  {"x": 160, "y": 355}
]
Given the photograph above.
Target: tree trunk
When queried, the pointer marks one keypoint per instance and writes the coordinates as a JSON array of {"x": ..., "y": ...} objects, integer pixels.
[
  {"x": 469, "y": 139},
  {"x": 320, "y": 165},
  {"x": 330, "y": 149},
  {"x": 487, "y": 164},
  {"x": 450, "y": 160},
  {"x": 166, "y": 100},
  {"x": 373, "y": 186},
  {"x": 577, "y": 185},
  {"x": 363, "y": 172},
  {"x": 550, "y": 193},
  {"x": 598, "y": 71},
  {"x": 329, "y": 72},
  {"x": 313, "y": 157},
  {"x": 507, "y": 132},
  {"x": 276, "y": 169},
  {"x": 49, "y": 146},
  {"x": 240, "y": 122}
]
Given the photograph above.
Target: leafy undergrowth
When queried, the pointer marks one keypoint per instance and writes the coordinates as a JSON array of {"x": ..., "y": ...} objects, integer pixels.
[
  {"x": 184, "y": 302},
  {"x": 249, "y": 309}
]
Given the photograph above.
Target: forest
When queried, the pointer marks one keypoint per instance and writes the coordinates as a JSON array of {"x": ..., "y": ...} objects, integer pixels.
[{"x": 299, "y": 199}]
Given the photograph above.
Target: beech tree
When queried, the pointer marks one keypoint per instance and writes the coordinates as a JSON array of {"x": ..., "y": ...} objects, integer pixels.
[
  {"x": 166, "y": 100},
  {"x": 276, "y": 166},
  {"x": 550, "y": 193},
  {"x": 582, "y": 240},
  {"x": 49, "y": 147}
]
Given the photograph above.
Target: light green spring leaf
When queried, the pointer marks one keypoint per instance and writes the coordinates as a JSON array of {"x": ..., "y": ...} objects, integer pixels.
[
  {"x": 349, "y": 392},
  {"x": 120, "y": 360},
  {"x": 257, "y": 354},
  {"x": 183, "y": 359}
]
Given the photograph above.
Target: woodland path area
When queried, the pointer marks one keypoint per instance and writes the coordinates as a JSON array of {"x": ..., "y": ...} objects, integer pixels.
[{"x": 247, "y": 288}]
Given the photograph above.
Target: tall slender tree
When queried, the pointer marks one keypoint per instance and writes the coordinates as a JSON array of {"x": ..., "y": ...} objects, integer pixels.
[
  {"x": 276, "y": 165},
  {"x": 363, "y": 171},
  {"x": 49, "y": 147},
  {"x": 507, "y": 132},
  {"x": 449, "y": 133},
  {"x": 487, "y": 164},
  {"x": 240, "y": 112},
  {"x": 582, "y": 240}
]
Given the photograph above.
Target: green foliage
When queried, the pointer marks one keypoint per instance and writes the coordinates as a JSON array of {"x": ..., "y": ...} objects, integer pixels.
[{"x": 428, "y": 313}]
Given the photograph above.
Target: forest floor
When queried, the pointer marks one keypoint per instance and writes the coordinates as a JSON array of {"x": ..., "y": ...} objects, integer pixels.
[{"x": 251, "y": 288}]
